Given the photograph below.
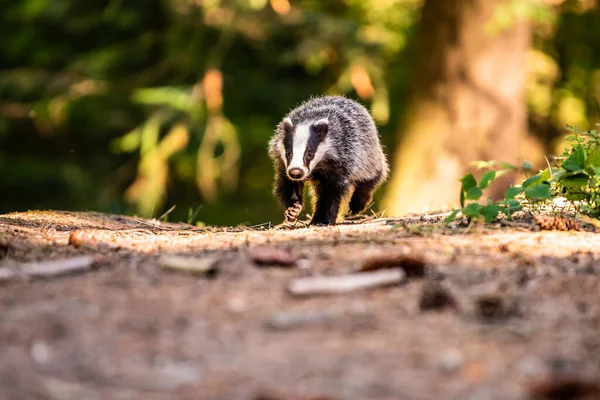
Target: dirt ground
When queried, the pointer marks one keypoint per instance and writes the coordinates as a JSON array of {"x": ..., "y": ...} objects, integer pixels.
[{"x": 502, "y": 312}]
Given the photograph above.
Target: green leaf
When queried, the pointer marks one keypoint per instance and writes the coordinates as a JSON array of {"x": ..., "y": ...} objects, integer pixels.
[
  {"x": 576, "y": 161},
  {"x": 511, "y": 210},
  {"x": 538, "y": 192},
  {"x": 512, "y": 192},
  {"x": 483, "y": 164},
  {"x": 468, "y": 181},
  {"x": 596, "y": 170},
  {"x": 545, "y": 175},
  {"x": 526, "y": 165},
  {"x": 178, "y": 98},
  {"x": 472, "y": 210},
  {"x": 451, "y": 217},
  {"x": 578, "y": 196},
  {"x": 512, "y": 206},
  {"x": 575, "y": 181},
  {"x": 570, "y": 137},
  {"x": 127, "y": 143},
  {"x": 532, "y": 180},
  {"x": 506, "y": 165},
  {"x": 487, "y": 177},
  {"x": 558, "y": 175},
  {"x": 593, "y": 157},
  {"x": 514, "y": 203},
  {"x": 474, "y": 193},
  {"x": 490, "y": 212}
]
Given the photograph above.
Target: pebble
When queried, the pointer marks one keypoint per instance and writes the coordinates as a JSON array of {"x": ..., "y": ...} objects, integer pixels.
[
  {"x": 452, "y": 361},
  {"x": 237, "y": 304},
  {"x": 40, "y": 352}
]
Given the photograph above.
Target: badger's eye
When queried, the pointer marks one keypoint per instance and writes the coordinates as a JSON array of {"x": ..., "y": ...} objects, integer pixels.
[
  {"x": 288, "y": 153},
  {"x": 310, "y": 153}
]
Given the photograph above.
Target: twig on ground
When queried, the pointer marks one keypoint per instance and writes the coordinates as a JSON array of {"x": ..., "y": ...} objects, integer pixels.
[
  {"x": 46, "y": 269},
  {"x": 191, "y": 265},
  {"x": 345, "y": 283},
  {"x": 261, "y": 225},
  {"x": 413, "y": 266}
]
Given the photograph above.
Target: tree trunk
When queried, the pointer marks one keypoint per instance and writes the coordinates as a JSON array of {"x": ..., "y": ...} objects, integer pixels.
[{"x": 468, "y": 104}]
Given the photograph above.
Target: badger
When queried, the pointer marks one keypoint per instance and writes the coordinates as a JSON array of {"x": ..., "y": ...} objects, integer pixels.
[{"x": 330, "y": 143}]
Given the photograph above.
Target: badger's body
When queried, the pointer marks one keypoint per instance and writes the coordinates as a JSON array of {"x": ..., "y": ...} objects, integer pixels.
[{"x": 332, "y": 144}]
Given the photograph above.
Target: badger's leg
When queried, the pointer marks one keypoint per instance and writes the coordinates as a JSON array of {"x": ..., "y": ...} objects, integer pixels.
[
  {"x": 329, "y": 196},
  {"x": 290, "y": 194},
  {"x": 362, "y": 196}
]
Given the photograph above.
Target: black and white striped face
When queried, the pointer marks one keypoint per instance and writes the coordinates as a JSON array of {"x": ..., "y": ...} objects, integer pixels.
[{"x": 303, "y": 147}]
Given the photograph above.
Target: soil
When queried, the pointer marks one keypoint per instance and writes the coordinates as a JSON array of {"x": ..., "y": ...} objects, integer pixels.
[{"x": 500, "y": 312}]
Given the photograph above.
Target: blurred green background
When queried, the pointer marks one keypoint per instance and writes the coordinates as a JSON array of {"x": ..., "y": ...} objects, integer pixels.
[{"x": 133, "y": 106}]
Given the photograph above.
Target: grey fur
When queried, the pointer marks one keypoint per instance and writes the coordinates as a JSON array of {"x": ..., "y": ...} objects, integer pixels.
[{"x": 353, "y": 158}]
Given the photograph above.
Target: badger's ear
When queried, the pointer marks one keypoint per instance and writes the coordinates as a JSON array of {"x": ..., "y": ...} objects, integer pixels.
[
  {"x": 321, "y": 126},
  {"x": 288, "y": 125}
]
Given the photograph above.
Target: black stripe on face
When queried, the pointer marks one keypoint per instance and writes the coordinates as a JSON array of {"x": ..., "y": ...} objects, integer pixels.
[
  {"x": 317, "y": 134},
  {"x": 288, "y": 141}
]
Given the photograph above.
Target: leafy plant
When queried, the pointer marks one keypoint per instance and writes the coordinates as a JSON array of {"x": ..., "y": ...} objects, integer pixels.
[
  {"x": 575, "y": 177},
  {"x": 578, "y": 176},
  {"x": 473, "y": 190}
]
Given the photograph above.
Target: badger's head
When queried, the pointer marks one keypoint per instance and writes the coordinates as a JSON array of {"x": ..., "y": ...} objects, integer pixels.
[{"x": 303, "y": 147}]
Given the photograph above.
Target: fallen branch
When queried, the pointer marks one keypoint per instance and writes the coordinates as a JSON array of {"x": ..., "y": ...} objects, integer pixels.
[
  {"x": 345, "y": 283},
  {"x": 46, "y": 269}
]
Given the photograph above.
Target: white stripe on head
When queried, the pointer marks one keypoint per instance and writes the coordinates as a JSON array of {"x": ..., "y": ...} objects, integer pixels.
[
  {"x": 299, "y": 146},
  {"x": 322, "y": 149}
]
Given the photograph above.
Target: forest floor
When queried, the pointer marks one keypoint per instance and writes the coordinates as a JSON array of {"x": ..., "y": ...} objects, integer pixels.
[{"x": 478, "y": 313}]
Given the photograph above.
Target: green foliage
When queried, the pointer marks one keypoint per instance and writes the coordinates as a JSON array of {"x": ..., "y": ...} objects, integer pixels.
[
  {"x": 104, "y": 105},
  {"x": 133, "y": 106},
  {"x": 576, "y": 178},
  {"x": 473, "y": 190}
]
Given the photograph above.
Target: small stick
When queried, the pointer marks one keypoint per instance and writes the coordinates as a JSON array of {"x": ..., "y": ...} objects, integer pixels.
[
  {"x": 412, "y": 266},
  {"x": 191, "y": 265},
  {"x": 169, "y": 211},
  {"x": 47, "y": 269},
  {"x": 260, "y": 225},
  {"x": 345, "y": 283}
]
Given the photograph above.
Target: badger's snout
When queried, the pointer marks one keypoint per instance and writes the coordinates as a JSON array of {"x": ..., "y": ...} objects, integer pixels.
[{"x": 296, "y": 173}]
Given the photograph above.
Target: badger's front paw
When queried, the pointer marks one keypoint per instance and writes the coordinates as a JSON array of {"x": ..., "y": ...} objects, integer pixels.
[{"x": 292, "y": 213}]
